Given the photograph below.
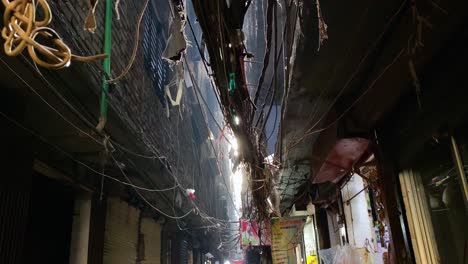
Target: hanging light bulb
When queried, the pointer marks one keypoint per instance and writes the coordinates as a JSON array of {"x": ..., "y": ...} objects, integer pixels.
[{"x": 236, "y": 120}]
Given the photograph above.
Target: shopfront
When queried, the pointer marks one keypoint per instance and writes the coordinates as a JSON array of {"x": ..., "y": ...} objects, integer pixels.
[
  {"x": 434, "y": 191},
  {"x": 423, "y": 146}
]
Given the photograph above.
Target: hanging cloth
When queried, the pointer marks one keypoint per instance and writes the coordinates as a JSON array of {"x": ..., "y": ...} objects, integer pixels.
[
  {"x": 176, "y": 42},
  {"x": 180, "y": 87},
  {"x": 177, "y": 81}
]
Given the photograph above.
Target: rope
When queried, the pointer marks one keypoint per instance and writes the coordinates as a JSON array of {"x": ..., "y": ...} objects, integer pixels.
[
  {"x": 21, "y": 30},
  {"x": 135, "y": 47}
]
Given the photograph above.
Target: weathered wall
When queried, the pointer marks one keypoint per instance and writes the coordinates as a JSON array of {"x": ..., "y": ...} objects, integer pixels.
[
  {"x": 138, "y": 99},
  {"x": 358, "y": 221}
]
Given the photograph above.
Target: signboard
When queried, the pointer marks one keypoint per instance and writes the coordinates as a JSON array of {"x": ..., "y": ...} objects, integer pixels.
[
  {"x": 286, "y": 234},
  {"x": 312, "y": 259},
  {"x": 249, "y": 233}
]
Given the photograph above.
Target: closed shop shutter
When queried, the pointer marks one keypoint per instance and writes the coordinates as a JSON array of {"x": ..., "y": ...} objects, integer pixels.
[
  {"x": 151, "y": 233},
  {"x": 183, "y": 251},
  {"x": 121, "y": 234},
  {"x": 14, "y": 205}
]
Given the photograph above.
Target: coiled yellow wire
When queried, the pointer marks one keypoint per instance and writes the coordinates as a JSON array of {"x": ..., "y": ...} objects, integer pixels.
[{"x": 21, "y": 28}]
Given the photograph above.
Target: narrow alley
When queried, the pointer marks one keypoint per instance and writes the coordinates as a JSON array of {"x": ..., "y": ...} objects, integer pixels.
[{"x": 234, "y": 132}]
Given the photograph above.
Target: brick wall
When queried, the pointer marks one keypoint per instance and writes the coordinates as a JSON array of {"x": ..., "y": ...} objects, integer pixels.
[{"x": 138, "y": 99}]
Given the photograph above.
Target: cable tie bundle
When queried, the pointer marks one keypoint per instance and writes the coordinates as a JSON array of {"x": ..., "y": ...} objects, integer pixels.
[{"x": 21, "y": 30}]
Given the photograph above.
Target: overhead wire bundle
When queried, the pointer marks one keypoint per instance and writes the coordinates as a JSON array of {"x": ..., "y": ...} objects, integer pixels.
[{"x": 222, "y": 25}]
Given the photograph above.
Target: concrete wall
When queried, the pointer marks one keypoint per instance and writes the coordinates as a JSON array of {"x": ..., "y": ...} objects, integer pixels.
[{"x": 358, "y": 220}]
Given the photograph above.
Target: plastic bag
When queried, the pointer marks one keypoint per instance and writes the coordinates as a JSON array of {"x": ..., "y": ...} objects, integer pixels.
[{"x": 346, "y": 255}]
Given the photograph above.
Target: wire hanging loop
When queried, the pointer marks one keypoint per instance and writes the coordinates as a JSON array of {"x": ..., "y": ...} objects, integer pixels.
[{"x": 21, "y": 30}]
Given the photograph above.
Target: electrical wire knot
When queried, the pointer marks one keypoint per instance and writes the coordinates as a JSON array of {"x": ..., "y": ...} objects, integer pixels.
[{"x": 23, "y": 30}]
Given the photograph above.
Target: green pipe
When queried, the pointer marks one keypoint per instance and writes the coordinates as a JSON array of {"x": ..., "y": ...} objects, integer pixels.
[{"x": 106, "y": 64}]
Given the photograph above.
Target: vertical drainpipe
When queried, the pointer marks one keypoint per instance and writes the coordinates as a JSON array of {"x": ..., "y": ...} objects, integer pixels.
[{"x": 106, "y": 64}]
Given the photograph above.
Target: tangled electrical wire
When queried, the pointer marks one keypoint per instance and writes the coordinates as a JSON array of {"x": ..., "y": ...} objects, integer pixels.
[
  {"x": 225, "y": 43},
  {"x": 23, "y": 30},
  {"x": 222, "y": 25}
]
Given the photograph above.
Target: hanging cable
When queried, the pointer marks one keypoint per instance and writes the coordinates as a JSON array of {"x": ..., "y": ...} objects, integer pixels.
[
  {"x": 144, "y": 199},
  {"x": 49, "y": 105},
  {"x": 211, "y": 143},
  {"x": 70, "y": 156},
  {"x": 21, "y": 31},
  {"x": 135, "y": 46},
  {"x": 157, "y": 156},
  {"x": 310, "y": 131}
]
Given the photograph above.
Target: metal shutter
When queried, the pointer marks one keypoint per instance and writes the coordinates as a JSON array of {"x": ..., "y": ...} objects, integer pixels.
[
  {"x": 151, "y": 233},
  {"x": 14, "y": 206},
  {"x": 121, "y": 234},
  {"x": 183, "y": 249}
]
